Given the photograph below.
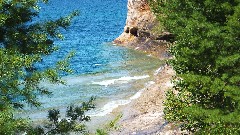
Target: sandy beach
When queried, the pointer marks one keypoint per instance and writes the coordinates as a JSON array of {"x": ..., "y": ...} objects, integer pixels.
[{"x": 144, "y": 115}]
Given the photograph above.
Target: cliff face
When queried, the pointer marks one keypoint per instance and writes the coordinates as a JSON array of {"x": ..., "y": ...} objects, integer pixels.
[
  {"x": 139, "y": 32},
  {"x": 139, "y": 14},
  {"x": 139, "y": 18}
]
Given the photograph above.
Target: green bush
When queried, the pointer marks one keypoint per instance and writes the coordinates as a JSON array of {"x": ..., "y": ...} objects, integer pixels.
[{"x": 206, "y": 95}]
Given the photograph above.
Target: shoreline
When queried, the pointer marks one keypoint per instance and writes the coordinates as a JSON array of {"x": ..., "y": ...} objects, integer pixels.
[{"x": 144, "y": 115}]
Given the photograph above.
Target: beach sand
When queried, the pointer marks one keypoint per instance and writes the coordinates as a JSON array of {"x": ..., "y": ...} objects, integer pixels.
[{"x": 144, "y": 115}]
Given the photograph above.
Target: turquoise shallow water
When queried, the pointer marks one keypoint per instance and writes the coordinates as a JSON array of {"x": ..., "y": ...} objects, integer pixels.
[
  {"x": 114, "y": 74},
  {"x": 116, "y": 86}
]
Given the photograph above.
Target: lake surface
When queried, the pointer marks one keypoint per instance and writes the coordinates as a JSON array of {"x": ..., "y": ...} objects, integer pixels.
[{"x": 114, "y": 74}]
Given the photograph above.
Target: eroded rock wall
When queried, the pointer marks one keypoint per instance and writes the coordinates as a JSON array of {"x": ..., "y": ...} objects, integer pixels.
[{"x": 139, "y": 18}]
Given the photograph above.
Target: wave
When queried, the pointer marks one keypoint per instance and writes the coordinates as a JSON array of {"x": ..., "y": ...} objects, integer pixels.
[
  {"x": 110, "y": 106},
  {"x": 121, "y": 80},
  {"x": 137, "y": 95},
  {"x": 97, "y": 64},
  {"x": 159, "y": 70}
]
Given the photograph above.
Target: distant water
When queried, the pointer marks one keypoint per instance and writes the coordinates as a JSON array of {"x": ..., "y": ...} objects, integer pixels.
[{"x": 115, "y": 75}]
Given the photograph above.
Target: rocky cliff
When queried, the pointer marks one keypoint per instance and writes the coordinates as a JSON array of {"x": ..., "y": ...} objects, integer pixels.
[
  {"x": 139, "y": 19},
  {"x": 142, "y": 30}
]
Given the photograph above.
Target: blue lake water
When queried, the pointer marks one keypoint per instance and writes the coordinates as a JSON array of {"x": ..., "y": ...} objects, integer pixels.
[{"x": 113, "y": 74}]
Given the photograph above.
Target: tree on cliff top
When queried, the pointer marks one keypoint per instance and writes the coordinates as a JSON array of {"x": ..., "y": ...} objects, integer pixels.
[
  {"x": 206, "y": 95},
  {"x": 23, "y": 43}
]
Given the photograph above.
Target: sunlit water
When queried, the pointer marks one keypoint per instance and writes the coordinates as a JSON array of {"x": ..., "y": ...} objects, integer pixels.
[{"x": 115, "y": 75}]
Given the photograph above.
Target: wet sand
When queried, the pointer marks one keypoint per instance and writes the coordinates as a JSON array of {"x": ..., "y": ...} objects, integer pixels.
[{"x": 144, "y": 115}]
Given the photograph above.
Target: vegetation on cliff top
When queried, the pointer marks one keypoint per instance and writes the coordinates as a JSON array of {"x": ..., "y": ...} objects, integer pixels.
[{"x": 206, "y": 95}]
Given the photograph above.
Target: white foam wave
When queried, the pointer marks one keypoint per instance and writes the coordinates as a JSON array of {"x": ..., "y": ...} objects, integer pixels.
[
  {"x": 137, "y": 95},
  {"x": 108, "y": 108},
  {"x": 97, "y": 64},
  {"x": 149, "y": 55},
  {"x": 124, "y": 79},
  {"x": 137, "y": 48},
  {"x": 159, "y": 70}
]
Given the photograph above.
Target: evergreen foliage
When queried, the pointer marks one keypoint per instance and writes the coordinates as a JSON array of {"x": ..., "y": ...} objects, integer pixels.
[
  {"x": 10, "y": 125},
  {"x": 23, "y": 43},
  {"x": 206, "y": 95},
  {"x": 73, "y": 122}
]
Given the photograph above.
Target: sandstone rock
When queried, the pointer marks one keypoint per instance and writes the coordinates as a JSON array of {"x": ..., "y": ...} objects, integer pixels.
[
  {"x": 140, "y": 33},
  {"x": 145, "y": 34},
  {"x": 139, "y": 16}
]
